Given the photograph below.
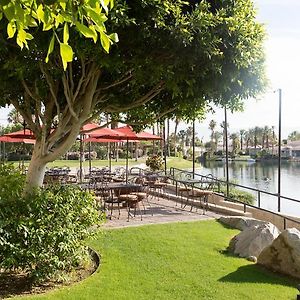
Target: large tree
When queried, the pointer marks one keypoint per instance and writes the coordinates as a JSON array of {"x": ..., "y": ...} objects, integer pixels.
[{"x": 172, "y": 58}]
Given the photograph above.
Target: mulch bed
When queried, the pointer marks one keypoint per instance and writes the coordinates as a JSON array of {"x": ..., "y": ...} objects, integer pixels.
[{"x": 18, "y": 284}]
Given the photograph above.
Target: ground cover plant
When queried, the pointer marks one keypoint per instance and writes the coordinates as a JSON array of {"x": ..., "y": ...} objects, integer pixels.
[{"x": 174, "y": 261}]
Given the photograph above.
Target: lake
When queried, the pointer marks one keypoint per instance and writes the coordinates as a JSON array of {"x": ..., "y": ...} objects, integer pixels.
[{"x": 263, "y": 176}]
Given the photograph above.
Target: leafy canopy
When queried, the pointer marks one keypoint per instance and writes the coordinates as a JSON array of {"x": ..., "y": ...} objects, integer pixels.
[
  {"x": 87, "y": 17},
  {"x": 172, "y": 58}
]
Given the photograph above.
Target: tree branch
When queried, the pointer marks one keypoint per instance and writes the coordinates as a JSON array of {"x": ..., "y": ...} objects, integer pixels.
[
  {"x": 143, "y": 100},
  {"x": 81, "y": 80},
  {"x": 51, "y": 87},
  {"x": 28, "y": 91},
  {"x": 68, "y": 96},
  {"x": 118, "y": 82}
]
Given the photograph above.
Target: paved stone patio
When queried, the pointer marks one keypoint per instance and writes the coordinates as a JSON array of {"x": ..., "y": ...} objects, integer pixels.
[{"x": 163, "y": 210}]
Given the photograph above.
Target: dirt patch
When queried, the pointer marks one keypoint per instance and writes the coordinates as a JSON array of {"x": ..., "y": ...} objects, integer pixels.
[{"x": 18, "y": 284}]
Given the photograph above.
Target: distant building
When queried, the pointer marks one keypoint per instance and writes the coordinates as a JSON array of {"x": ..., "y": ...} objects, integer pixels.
[
  {"x": 286, "y": 152},
  {"x": 295, "y": 148}
]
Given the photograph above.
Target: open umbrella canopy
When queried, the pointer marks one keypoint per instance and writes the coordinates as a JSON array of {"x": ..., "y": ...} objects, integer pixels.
[
  {"x": 107, "y": 133},
  {"x": 23, "y": 134},
  {"x": 9, "y": 139},
  {"x": 129, "y": 134},
  {"x": 87, "y": 128}
]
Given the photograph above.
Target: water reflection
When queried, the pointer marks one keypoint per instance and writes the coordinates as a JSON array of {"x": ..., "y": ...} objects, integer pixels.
[{"x": 263, "y": 176}]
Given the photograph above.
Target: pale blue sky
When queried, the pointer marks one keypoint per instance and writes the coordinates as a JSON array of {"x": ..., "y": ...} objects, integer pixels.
[{"x": 282, "y": 21}]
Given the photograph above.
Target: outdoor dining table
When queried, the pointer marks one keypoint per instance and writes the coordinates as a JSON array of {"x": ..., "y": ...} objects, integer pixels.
[
  {"x": 57, "y": 174},
  {"x": 112, "y": 186}
]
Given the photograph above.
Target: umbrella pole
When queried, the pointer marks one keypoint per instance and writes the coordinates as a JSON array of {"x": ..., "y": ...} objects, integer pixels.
[
  {"x": 127, "y": 150},
  {"x": 23, "y": 146},
  {"x": 80, "y": 158},
  {"x": 90, "y": 159},
  {"x": 109, "y": 156},
  {"x": 193, "y": 143},
  {"x": 165, "y": 147}
]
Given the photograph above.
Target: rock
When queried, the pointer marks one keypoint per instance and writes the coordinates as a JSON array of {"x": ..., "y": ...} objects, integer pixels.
[
  {"x": 240, "y": 222},
  {"x": 283, "y": 255},
  {"x": 252, "y": 259},
  {"x": 252, "y": 240}
]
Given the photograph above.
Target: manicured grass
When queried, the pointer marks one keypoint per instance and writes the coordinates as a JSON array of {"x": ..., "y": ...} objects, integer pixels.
[
  {"x": 174, "y": 261},
  {"x": 171, "y": 162}
]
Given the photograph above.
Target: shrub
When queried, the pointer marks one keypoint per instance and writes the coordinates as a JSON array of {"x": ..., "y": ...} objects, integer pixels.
[
  {"x": 154, "y": 162},
  {"x": 237, "y": 194},
  {"x": 43, "y": 234}
]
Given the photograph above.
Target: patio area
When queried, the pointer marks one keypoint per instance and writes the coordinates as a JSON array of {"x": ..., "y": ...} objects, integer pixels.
[{"x": 160, "y": 211}]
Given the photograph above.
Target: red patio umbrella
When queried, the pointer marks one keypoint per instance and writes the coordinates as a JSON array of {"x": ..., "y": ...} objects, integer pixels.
[
  {"x": 21, "y": 136},
  {"x": 129, "y": 134},
  {"x": 9, "y": 139},
  {"x": 24, "y": 133}
]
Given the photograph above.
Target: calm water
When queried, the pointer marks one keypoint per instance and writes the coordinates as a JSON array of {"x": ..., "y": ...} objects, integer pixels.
[{"x": 263, "y": 176}]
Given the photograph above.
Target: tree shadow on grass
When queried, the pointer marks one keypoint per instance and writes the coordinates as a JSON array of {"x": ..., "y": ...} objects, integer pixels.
[{"x": 254, "y": 273}]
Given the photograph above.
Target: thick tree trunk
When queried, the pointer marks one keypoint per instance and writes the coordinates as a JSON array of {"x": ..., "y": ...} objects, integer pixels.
[{"x": 36, "y": 170}]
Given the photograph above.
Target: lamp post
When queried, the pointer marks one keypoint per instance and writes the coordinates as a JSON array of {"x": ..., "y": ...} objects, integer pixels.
[
  {"x": 279, "y": 151},
  {"x": 226, "y": 151},
  {"x": 193, "y": 143}
]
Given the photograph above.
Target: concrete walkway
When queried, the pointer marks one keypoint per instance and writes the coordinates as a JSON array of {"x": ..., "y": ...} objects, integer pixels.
[{"x": 163, "y": 210}]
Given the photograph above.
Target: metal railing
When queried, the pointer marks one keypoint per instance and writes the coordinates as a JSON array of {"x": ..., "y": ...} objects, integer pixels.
[{"x": 178, "y": 174}]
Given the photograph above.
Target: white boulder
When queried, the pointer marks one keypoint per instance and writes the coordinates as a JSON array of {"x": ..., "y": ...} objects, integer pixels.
[
  {"x": 283, "y": 255},
  {"x": 240, "y": 223},
  {"x": 252, "y": 240}
]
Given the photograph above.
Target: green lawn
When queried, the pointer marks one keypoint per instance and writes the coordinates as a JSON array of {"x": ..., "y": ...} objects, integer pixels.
[
  {"x": 174, "y": 261},
  {"x": 171, "y": 162}
]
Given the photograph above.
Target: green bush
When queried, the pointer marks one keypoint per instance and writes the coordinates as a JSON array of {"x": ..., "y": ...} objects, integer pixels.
[
  {"x": 155, "y": 162},
  {"x": 43, "y": 234},
  {"x": 237, "y": 194}
]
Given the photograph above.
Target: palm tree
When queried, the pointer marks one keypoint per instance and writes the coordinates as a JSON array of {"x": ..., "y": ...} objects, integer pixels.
[
  {"x": 168, "y": 137},
  {"x": 235, "y": 143},
  {"x": 294, "y": 136},
  {"x": 181, "y": 135},
  {"x": 177, "y": 120},
  {"x": 212, "y": 125},
  {"x": 256, "y": 133},
  {"x": 218, "y": 135},
  {"x": 242, "y": 135},
  {"x": 189, "y": 136},
  {"x": 268, "y": 135},
  {"x": 224, "y": 133}
]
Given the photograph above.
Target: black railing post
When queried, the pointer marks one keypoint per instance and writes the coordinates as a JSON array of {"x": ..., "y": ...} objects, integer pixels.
[
  {"x": 279, "y": 153},
  {"x": 226, "y": 149},
  {"x": 258, "y": 199},
  {"x": 284, "y": 223}
]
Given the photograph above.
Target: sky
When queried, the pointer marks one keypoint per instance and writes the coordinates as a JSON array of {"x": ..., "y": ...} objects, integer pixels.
[{"x": 282, "y": 47}]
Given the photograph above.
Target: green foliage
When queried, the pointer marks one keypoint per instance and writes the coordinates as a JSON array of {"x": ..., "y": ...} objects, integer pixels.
[
  {"x": 236, "y": 194},
  {"x": 173, "y": 58},
  {"x": 155, "y": 162},
  {"x": 42, "y": 233},
  {"x": 88, "y": 17}
]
